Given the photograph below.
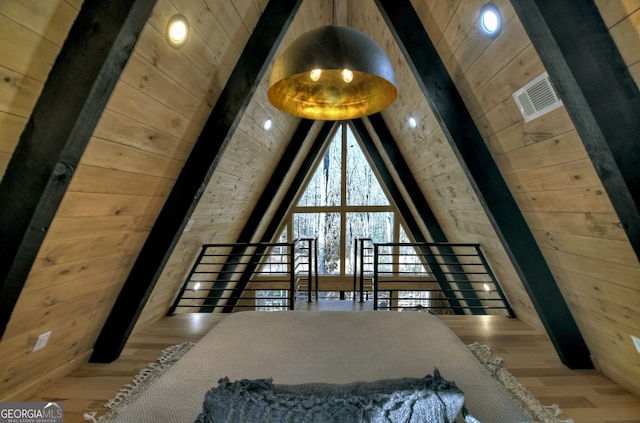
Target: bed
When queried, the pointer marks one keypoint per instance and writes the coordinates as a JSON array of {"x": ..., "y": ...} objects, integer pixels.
[{"x": 330, "y": 347}]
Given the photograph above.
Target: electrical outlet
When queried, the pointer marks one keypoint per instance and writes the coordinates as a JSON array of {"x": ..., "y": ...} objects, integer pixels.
[
  {"x": 636, "y": 342},
  {"x": 188, "y": 226},
  {"x": 41, "y": 342}
]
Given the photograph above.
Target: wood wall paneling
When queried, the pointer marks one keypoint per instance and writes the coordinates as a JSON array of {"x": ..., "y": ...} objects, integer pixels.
[
  {"x": 433, "y": 163},
  {"x": 479, "y": 69},
  {"x": 239, "y": 177},
  {"x": 18, "y": 92},
  {"x": 488, "y": 181},
  {"x": 575, "y": 225},
  {"x": 598, "y": 92},
  {"x": 111, "y": 205},
  {"x": 32, "y": 36},
  {"x": 499, "y": 88},
  {"x": 25, "y": 52},
  {"x": 66, "y": 131},
  {"x": 50, "y": 20},
  {"x": 121, "y": 129},
  {"x": 623, "y": 20},
  {"x": 225, "y": 117},
  {"x": 182, "y": 66}
]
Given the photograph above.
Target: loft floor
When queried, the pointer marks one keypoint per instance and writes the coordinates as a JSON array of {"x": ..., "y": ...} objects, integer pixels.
[{"x": 584, "y": 395}]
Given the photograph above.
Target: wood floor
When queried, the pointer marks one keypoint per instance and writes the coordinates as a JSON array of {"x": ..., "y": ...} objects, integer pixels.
[{"x": 584, "y": 396}]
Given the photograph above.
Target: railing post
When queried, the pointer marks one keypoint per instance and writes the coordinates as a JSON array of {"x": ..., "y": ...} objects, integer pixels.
[
  {"x": 362, "y": 241},
  {"x": 494, "y": 281},
  {"x": 174, "y": 306},
  {"x": 309, "y": 264},
  {"x": 355, "y": 266},
  {"x": 315, "y": 264},
  {"x": 292, "y": 279},
  {"x": 375, "y": 276}
]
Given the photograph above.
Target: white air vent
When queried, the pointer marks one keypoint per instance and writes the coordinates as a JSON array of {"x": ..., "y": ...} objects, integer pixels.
[{"x": 537, "y": 98}]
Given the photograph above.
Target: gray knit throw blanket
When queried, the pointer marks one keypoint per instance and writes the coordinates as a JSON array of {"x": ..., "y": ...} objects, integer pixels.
[{"x": 428, "y": 399}]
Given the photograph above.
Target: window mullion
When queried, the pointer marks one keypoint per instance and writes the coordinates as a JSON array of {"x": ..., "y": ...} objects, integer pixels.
[{"x": 343, "y": 203}]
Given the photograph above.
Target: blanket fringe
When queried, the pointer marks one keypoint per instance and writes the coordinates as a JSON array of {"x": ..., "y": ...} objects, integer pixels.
[
  {"x": 525, "y": 399},
  {"x": 140, "y": 381},
  {"x": 557, "y": 411}
]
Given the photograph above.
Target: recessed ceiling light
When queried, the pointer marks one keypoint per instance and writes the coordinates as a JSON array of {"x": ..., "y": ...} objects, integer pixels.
[
  {"x": 490, "y": 20},
  {"x": 267, "y": 124},
  {"x": 177, "y": 31},
  {"x": 413, "y": 123}
]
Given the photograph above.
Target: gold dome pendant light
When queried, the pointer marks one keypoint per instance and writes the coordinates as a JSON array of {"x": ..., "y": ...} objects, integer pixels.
[{"x": 332, "y": 73}]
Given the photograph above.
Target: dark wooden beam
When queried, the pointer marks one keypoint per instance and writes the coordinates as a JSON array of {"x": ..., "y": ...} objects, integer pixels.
[
  {"x": 285, "y": 204},
  {"x": 403, "y": 208},
  {"x": 421, "y": 204},
  {"x": 71, "y": 102},
  {"x": 275, "y": 183},
  {"x": 404, "y": 174},
  {"x": 486, "y": 180},
  {"x": 598, "y": 92},
  {"x": 193, "y": 180},
  {"x": 287, "y": 200},
  {"x": 265, "y": 201}
]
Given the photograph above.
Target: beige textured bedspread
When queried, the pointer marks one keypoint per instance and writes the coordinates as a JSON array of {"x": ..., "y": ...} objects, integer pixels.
[{"x": 331, "y": 346}]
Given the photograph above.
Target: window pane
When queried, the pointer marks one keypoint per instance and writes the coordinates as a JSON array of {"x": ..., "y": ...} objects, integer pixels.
[
  {"x": 363, "y": 188},
  {"x": 378, "y": 226},
  {"x": 411, "y": 261},
  {"x": 414, "y": 299},
  {"x": 275, "y": 261},
  {"x": 403, "y": 235},
  {"x": 324, "y": 188},
  {"x": 325, "y": 227},
  {"x": 272, "y": 300}
]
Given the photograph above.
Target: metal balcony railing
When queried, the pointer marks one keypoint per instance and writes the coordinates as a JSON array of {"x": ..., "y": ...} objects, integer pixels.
[
  {"x": 439, "y": 277},
  {"x": 258, "y": 276}
]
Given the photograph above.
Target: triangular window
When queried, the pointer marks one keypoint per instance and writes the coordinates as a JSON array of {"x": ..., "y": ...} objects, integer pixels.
[
  {"x": 363, "y": 187},
  {"x": 324, "y": 189},
  {"x": 342, "y": 201}
]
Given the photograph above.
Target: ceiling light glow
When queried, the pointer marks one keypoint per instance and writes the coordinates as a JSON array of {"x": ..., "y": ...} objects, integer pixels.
[
  {"x": 177, "y": 31},
  {"x": 267, "y": 124},
  {"x": 347, "y": 75},
  {"x": 490, "y": 20},
  {"x": 333, "y": 72},
  {"x": 413, "y": 123},
  {"x": 315, "y": 74}
]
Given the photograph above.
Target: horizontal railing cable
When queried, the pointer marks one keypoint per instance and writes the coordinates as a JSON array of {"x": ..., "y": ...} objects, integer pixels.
[
  {"x": 403, "y": 278},
  {"x": 259, "y": 276}
]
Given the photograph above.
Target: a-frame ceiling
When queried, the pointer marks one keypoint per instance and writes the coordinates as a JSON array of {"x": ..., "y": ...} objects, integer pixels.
[
  {"x": 600, "y": 95},
  {"x": 526, "y": 256}
]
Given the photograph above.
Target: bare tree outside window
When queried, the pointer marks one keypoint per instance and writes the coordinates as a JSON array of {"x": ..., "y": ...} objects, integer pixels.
[{"x": 342, "y": 201}]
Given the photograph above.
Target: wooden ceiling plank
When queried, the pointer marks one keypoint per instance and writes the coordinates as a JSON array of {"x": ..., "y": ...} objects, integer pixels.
[
  {"x": 485, "y": 177},
  {"x": 193, "y": 180},
  {"x": 598, "y": 91},
  {"x": 84, "y": 74}
]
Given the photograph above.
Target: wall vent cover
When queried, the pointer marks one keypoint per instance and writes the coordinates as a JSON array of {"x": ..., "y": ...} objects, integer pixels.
[{"x": 537, "y": 98}]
